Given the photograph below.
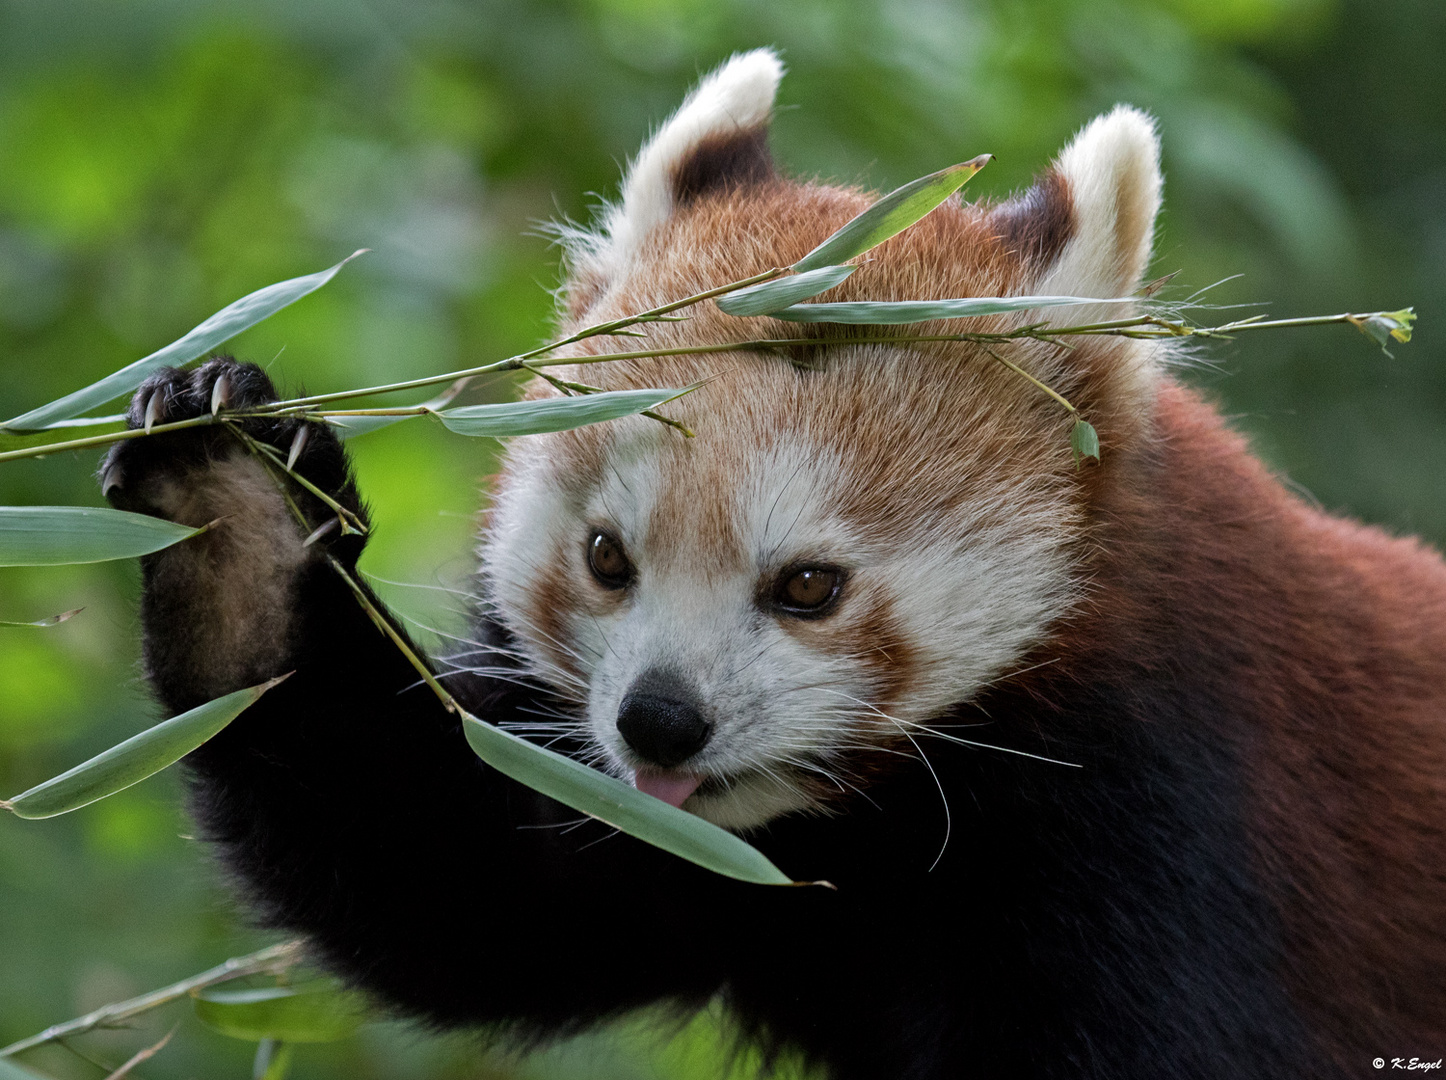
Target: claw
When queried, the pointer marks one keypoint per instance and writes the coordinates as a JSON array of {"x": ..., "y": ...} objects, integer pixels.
[
  {"x": 153, "y": 410},
  {"x": 220, "y": 393},
  {"x": 321, "y": 530},
  {"x": 298, "y": 443},
  {"x": 110, "y": 478}
]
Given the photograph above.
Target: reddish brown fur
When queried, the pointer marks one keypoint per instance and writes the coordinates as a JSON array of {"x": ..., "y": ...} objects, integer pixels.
[
  {"x": 1332, "y": 636},
  {"x": 1329, "y": 635}
]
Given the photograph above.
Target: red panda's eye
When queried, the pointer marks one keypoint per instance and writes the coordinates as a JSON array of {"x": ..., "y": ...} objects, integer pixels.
[
  {"x": 608, "y": 562},
  {"x": 809, "y": 591}
]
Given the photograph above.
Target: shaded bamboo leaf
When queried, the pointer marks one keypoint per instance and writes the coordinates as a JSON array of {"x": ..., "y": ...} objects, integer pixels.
[
  {"x": 891, "y": 215},
  {"x": 54, "y": 620},
  {"x": 60, "y": 431},
  {"x": 220, "y": 327},
  {"x": 9, "y": 1070},
  {"x": 349, "y": 427},
  {"x": 619, "y": 805},
  {"x": 772, "y": 295},
  {"x": 894, "y": 313},
  {"x": 317, "y": 1012},
  {"x": 552, "y": 414},
  {"x": 134, "y": 760},
  {"x": 61, "y": 535},
  {"x": 1084, "y": 440},
  {"x": 1384, "y": 326},
  {"x": 272, "y": 1061}
]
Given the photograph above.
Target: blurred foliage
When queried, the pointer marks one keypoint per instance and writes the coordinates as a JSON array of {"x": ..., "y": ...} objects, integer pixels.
[{"x": 163, "y": 157}]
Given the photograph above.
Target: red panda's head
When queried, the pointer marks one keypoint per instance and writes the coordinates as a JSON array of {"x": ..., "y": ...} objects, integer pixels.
[{"x": 753, "y": 621}]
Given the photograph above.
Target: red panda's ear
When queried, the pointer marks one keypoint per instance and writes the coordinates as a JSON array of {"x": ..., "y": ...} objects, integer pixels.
[
  {"x": 1087, "y": 226},
  {"x": 717, "y": 139}
]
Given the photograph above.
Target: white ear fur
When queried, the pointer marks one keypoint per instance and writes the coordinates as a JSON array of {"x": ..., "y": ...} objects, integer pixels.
[
  {"x": 1113, "y": 171},
  {"x": 736, "y": 97}
]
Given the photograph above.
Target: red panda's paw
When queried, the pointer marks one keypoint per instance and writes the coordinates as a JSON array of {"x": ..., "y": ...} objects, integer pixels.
[{"x": 233, "y": 467}]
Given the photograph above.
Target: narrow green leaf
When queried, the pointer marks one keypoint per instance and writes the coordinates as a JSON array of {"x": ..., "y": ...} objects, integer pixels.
[
  {"x": 552, "y": 414},
  {"x": 60, "y": 431},
  {"x": 59, "y": 535},
  {"x": 772, "y": 295},
  {"x": 619, "y": 805},
  {"x": 891, "y": 215},
  {"x": 894, "y": 313},
  {"x": 135, "y": 759},
  {"x": 349, "y": 427},
  {"x": 54, "y": 620},
  {"x": 1084, "y": 440},
  {"x": 318, "y": 1012},
  {"x": 11, "y": 1071},
  {"x": 222, "y": 326},
  {"x": 272, "y": 1061},
  {"x": 1383, "y": 326},
  {"x": 1402, "y": 320}
]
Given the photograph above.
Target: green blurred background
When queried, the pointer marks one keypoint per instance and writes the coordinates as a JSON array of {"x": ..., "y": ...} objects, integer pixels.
[{"x": 159, "y": 158}]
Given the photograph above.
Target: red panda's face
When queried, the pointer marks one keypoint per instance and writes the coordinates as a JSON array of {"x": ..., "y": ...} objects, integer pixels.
[{"x": 757, "y": 620}]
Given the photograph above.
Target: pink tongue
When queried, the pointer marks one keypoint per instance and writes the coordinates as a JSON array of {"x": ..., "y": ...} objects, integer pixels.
[{"x": 672, "y": 788}]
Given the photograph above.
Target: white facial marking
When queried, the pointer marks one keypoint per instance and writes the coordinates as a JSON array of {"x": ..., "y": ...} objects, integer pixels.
[{"x": 967, "y": 594}]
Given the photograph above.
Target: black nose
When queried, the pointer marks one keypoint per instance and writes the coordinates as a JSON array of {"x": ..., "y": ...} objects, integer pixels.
[{"x": 660, "y": 721}]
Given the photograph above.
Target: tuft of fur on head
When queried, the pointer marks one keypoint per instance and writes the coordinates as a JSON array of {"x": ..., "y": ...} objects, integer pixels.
[
  {"x": 1112, "y": 169},
  {"x": 939, "y": 482},
  {"x": 719, "y": 132}
]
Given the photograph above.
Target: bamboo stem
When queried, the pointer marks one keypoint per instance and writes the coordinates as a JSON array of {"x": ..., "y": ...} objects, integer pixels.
[
  {"x": 273, "y": 960},
  {"x": 1149, "y": 327}
]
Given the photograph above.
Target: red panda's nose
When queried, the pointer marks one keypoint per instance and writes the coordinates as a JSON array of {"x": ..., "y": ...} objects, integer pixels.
[{"x": 661, "y": 723}]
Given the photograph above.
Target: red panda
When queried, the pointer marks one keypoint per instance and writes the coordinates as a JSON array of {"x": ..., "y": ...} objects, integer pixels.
[{"x": 1123, "y": 770}]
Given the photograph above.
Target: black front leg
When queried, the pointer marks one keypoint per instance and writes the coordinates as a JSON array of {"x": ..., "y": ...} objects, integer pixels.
[{"x": 346, "y": 802}]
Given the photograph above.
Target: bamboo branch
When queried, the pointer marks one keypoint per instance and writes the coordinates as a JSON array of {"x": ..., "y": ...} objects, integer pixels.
[
  {"x": 273, "y": 960},
  {"x": 1150, "y": 327}
]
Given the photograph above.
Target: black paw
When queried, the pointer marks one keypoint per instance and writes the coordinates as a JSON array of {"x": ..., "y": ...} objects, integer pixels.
[{"x": 143, "y": 474}]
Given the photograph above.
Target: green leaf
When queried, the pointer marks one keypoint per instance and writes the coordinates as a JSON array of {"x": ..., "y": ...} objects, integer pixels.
[
  {"x": 272, "y": 1061},
  {"x": 59, "y": 535},
  {"x": 135, "y": 759},
  {"x": 349, "y": 427},
  {"x": 54, "y": 620},
  {"x": 60, "y": 431},
  {"x": 891, "y": 215},
  {"x": 894, "y": 313},
  {"x": 772, "y": 295},
  {"x": 1084, "y": 440},
  {"x": 552, "y": 414},
  {"x": 222, "y": 326},
  {"x": 317, "y": 1012},
  {"x": 11, "y": 1071},
  {"x": 619, "y": 805},
  {"x": 1383, "y": 326}
]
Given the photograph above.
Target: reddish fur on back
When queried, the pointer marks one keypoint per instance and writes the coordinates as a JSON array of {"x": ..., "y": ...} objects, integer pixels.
[
  {"x": 1318, "y": 645},
  {"x": 1328, "y": 638}
]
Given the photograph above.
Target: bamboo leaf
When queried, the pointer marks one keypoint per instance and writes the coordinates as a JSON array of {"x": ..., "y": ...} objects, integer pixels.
[
  {"x": 891, "y": 215},
  {"x": 54, "y": 620},
  {"x": 11, "y": 1071},
  {"x": 60, "y": 431},
  {"x": 619, "y": 805},
  {"x": 135, "y": 759},
  {"x": 318, "y": 1012},
  {"x": 772, "y": 295},
  {"x": 59, "y": 535},
  {"x": 272, "y": 1061},
  {"x": 222, "y": 326},
  {"x": 1084, "y": 440},
  {"x": 349, "y": 427},
  {"x": 894, "y": 313},
  {"x": 552, "y": 414}
]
